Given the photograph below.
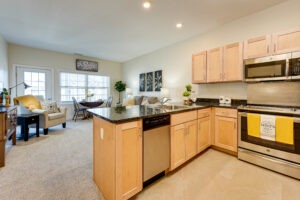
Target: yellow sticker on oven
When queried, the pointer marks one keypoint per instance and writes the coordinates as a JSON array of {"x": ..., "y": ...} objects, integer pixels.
[
  {"x": 253, "y": 124},
  {"x": 285, "y": 130}
]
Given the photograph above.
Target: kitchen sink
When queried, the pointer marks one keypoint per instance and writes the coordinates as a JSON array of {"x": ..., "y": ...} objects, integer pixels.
[{"x": 171, "y": 107}]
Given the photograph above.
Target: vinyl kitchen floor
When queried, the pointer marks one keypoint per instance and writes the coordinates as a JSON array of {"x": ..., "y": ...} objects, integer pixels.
[{"x": 218, "y": 176}]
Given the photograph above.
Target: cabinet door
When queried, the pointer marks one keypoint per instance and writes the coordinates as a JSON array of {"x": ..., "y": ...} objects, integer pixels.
[
  {"x": 226, "y": 133},
  {"x": 214, "y": 65},
  {"x": 257, "y": 47},
  {"x": 104, "y": 157},
  {"x": 177, "y": 145},
  {"x": 191, "y": 139},
  {"x": 287, "y": 41},
  {"x": 199, "y": 68},
  {"x": 233, "y": 62},
  {"x": 128, "y": 159},
  {"x": 204, "y": 134}
]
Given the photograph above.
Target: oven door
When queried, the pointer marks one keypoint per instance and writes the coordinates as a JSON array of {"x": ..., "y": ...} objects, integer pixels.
[{"x": 268, "y": 147}]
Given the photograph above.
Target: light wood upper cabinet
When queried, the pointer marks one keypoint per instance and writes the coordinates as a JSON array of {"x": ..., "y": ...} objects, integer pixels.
[
  {"x": 117, "y": 158},
  {"x": 233, "y": 62},
  {"x": 199, "y": 67},
  {"x": 277, "y": 43},
  {"x": 214, "y": 65},
  {"x": 257, "y": 47},
  {"x": 226, "y": 129},
  {"x": 287, "y": 41},
  {"x": 204, "y": 129}
]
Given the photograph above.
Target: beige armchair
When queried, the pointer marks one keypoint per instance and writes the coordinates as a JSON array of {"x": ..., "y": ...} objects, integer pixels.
[{"x": 47, "y": 119}]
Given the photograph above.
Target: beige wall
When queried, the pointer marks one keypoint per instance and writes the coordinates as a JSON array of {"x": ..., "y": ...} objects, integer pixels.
[
  {"x": 3, "y": 63},
  {"x": 175, "y": 60},
  {"x": 22, "y": 55}
]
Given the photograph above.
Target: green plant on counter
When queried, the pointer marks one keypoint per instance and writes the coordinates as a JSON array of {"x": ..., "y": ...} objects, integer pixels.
[
  {"x": 4, "y": 92},
  {"x": 188, "y": 87},
  {"x": 120, "y": 87},
  {"x": 186, "y": 93}
]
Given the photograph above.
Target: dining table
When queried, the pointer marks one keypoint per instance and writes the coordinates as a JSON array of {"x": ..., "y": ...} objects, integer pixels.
[{"x": 92, "y": 104}]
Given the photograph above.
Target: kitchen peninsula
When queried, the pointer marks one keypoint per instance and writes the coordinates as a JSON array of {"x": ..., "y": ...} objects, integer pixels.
[{"x": 118, "y": 140}]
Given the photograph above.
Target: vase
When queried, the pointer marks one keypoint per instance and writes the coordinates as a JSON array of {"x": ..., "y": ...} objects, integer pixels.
[
  {"x": 7, "y": 100},
  {"x": 186, "y": 100}
]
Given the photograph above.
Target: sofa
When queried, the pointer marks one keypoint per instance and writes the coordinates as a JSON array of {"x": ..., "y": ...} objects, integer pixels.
[
  {"x": 140, "y": 100},
  {"x": 49, "y": 113}
]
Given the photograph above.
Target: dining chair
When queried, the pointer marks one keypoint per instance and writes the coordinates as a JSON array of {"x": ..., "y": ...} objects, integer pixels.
[
  {"x": 109, "y": 101},
  {"x": 77, "y": 109}
]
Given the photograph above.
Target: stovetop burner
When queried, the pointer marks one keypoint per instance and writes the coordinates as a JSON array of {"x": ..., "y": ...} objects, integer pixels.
[{"x": 273, "y": 109}]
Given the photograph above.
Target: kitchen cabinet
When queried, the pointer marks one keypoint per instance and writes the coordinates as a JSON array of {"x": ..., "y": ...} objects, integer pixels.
[
  {"x": 204, "y": 129},
  {"x": 8, "y": 124},
  {"x": 257, "y": 47},
  {"x": 199, "y": 67},
  {"x": 286, "y": 41},
  {"x": 183, "y": 137},
  {"x": 117, "y": 167},
  {"x": 226, "y": 129},
  {"x": 225, "y": 64},
  {"x": 214, "y": 65},
  {"x": 233, "y": 62},
  {"x": 282, "y": 42}
]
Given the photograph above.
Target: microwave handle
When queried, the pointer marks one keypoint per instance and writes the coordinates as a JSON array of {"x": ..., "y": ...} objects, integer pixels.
[{"x": 287, "y": 69}]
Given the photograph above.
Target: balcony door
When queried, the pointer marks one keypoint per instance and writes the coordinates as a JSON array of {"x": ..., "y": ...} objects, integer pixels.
[{"x": 39, "y": 79}]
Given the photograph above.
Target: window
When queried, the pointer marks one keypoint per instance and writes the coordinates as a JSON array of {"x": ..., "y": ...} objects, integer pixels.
[
  {"x": 79, "y": 85},
  {"x": 37, "y": 82}
]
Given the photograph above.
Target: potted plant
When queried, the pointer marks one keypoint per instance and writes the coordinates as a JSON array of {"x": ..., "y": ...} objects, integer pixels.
[
  {"x": 186, "y": 95},
  {"x": 120, "y": 87},
  {"x": 4, "y": 94}
]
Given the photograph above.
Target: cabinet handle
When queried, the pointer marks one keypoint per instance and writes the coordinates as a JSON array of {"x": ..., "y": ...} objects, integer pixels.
[{"x": 268, "y": 49}]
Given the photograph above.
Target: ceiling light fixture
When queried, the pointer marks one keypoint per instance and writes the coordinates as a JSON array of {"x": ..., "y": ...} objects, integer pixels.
[
  {"x": 179, "y": 25},
  {"x": 147, "y": 4}
]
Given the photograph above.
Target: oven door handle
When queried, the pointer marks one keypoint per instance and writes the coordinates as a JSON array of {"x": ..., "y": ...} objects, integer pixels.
[{"x": 244, "y": 114}]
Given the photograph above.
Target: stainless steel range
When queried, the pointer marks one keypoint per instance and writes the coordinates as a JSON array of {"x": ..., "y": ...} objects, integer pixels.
[{"x": 274, "y": 101}]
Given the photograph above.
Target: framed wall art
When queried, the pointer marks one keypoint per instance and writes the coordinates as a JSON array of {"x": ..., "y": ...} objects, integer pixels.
[
  {"x": 142, "y": 82},
  {"x": 85, "y": 65},
  {"x": 149, "y": 81},
  {"x": 157, "y": 80}
]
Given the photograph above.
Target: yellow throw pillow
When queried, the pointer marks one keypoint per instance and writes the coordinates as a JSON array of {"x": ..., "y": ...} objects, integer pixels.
[{"x": 28, "y": 101}]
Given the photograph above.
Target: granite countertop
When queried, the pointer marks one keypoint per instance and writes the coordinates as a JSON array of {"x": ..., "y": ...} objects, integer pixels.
[
  {"x": 129, "y": 113},
  {"x": 4, "y": 109}
]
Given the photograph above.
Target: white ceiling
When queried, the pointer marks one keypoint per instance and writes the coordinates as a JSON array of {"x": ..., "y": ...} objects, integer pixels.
[{"x": 117, "y": 30}]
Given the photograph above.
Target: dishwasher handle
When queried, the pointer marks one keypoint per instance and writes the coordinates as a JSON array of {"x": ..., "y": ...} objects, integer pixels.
[{"x": 156, "y": 121}]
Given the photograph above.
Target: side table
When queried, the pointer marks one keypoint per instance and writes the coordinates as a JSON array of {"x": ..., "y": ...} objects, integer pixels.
[{"x": 24, "y": 120}]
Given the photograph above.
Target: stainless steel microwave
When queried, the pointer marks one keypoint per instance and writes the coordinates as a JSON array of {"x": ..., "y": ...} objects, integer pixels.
[{"x": 273, "y": 68}]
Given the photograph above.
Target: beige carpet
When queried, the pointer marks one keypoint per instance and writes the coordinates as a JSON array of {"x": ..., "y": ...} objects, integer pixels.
[{"x": 59, "y": 167}]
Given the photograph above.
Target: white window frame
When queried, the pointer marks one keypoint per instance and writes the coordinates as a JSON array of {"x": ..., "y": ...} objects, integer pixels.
[{"x": 86, "y": 83}]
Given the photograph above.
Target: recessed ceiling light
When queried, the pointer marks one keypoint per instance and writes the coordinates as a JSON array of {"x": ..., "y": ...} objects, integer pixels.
[
  {"x": 147, "y": 4},
  {"x": 179, "y": 25}
]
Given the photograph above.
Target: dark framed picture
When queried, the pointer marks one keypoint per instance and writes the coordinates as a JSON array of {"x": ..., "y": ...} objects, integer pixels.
[
  {"x": 142, "y": 82},
  {"x": 149, "y": 81},
  {"x": 85, "y": 65},
  {"x": 157, "y": 80}
]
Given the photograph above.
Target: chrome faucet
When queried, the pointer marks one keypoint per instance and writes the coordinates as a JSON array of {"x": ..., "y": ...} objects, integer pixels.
[{"x": 164, "y": 100}]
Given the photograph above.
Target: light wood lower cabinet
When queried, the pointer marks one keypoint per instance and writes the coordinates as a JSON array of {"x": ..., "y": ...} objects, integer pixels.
[
  {"x": 204, "y": 130},
  {"x": 183, "y": 137},
  {"x": 117, "y": 158},
  {"x": 226, "y": 129}
]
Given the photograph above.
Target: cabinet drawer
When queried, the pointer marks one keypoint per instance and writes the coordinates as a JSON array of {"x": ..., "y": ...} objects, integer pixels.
[
  {"x": 204, "y": 113},
  {"x": 183, "y": 117},
  {"x": 226, "y": 112}
]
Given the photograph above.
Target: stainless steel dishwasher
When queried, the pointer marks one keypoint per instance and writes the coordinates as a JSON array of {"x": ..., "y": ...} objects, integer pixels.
[{"x": 156, "y": 147}]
